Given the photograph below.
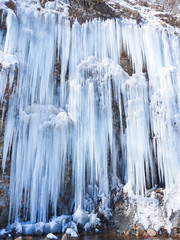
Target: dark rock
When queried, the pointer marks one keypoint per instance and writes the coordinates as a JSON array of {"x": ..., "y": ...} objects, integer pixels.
[
  {"x": 175, "y": 232},
  {"x": 3, "y": 15},
  {"x": 80, "y": 228},
  {"x": 140, "y": 229},
  {"x": 89, "y": 9},
  {"x": 4, "y": 211},
  {"x": 132, "y": 233},
  {"x": 3, "y": 237},
  {"x": 163, "y": 232},
  {"x": 143, "y": 3},
  {"x": 14, "y": 233},
  {"x": 103, "y": 219},
  {"x": 125, "y": 63},
  {"x": 11, "y": 4},
  {"x": 169, "y": 19},
  {"x": 122, "y": 222},
  {"x": 4, "y": 185}
]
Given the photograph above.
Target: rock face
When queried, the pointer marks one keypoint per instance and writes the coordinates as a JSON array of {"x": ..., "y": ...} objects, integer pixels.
[
  {"x": 121, "y": 221},
  {"x": 4, "y": 186},
  {"x": 128, "y": 214},
  {"x": 3, "y": 15},
  {"x": 85, "y": 10},
  {"x": 10, "y": 4},
  {"x": 90, "y": 9}
]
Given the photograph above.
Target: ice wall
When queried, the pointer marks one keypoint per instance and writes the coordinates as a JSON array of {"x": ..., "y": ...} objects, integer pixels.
[{"x": 76, "y": 116}]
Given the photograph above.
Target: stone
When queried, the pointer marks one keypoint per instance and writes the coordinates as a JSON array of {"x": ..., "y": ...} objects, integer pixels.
[
  {"x": 126, "y": 233},
  {"x": 163, "y": 232},
  {"x": 28, "y": 238},
  {"x": 175, "y": 232},
  {"x": 10, "y": 4},
  {"x": 140, "y": 229},
  {"x": 145, "y": 235},
  {"x": 151, "y": 232},
  {"x": 132, "y": 233},
  {"x": 67, "y": 236},
  {"x": 80, "y": 228},
  {"x": 134, "y": 227},
  {"x": 159, "y": 190},
  {"x": 18, "y": 238},
  {"x": 14, "y": 233}
]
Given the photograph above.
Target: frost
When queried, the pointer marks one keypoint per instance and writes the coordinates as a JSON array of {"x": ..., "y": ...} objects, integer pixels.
[
  {"x": 150, "y": 212},
  {"x": 80, "y": 216}
]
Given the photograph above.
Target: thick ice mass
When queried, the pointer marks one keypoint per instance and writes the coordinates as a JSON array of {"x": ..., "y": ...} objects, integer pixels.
[{"x": 77, "y": 121}]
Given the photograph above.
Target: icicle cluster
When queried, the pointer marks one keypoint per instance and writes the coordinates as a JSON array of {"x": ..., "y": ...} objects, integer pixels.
[{"x": 77, "y": 120}]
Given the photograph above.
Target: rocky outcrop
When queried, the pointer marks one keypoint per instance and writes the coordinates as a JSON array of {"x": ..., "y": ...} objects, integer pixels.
[
  {"x": 3, "y": 15},
  {"x": 85, "y": 10},
  {"x": 135, "y": 216},
  {"x": 121, "y": 222},
  {"x": 12, "y": 5},
  {"x": 88, "y": 10},
  {"x": 4, "y": 185}
]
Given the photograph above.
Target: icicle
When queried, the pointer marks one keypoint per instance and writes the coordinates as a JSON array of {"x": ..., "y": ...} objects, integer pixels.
[{"x": 78, "y": 121}]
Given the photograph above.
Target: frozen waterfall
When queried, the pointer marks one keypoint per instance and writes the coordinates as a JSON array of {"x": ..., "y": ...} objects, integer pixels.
[{"x": 77, "y": 123}]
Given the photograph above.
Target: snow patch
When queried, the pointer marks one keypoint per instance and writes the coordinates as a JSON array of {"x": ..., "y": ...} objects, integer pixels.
[
  {"x": 71, "y": 232},
  {"x": 51, "y": 236}
]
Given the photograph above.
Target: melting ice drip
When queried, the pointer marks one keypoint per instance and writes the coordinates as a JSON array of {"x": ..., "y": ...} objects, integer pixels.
[{"x": 77, "y": 121}]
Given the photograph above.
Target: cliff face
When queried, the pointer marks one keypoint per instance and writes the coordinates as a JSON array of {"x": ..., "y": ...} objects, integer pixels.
[
  {"x": 4, "y": 186},
  {"x": 163, "y": 12},
  {"x": 126, "y": 43}
]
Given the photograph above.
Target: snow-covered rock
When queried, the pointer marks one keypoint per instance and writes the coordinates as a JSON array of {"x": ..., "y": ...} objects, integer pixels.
[
  {"x": 72, "y": 233},
  {"x": 51, "y": 236}
]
